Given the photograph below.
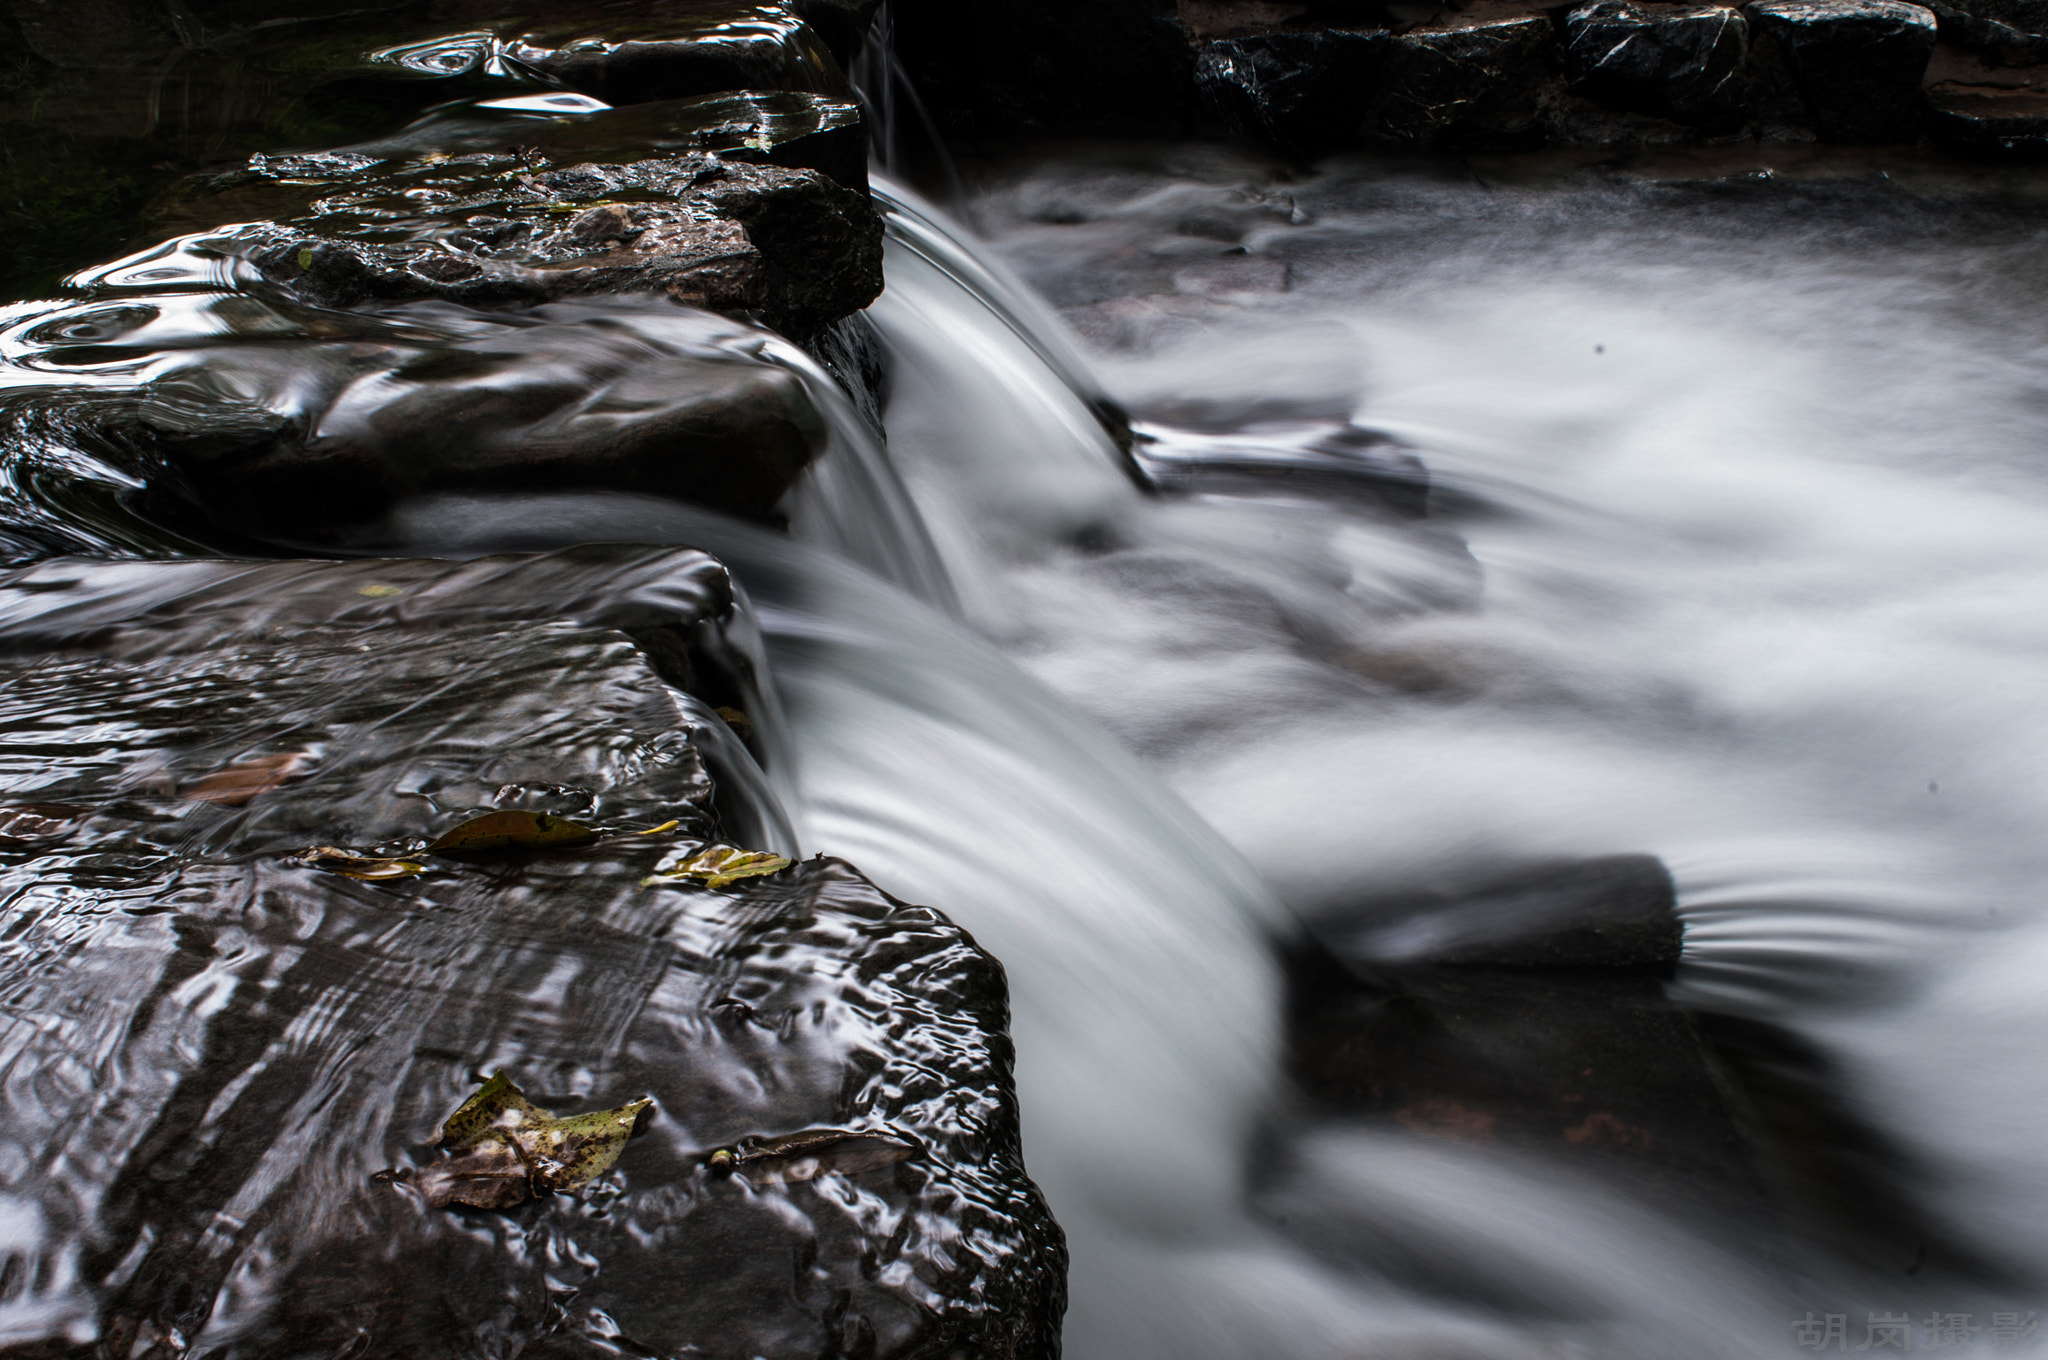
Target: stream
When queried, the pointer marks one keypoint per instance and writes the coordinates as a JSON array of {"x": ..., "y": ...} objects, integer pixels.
[{"x": 1477, "y": 515}]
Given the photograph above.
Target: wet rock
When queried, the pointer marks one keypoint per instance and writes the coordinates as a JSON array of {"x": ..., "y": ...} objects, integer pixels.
[
  {"x": 792, "y": 129},
  {"x": 1682, "y": 62},
  {"x": 843, "y": 24},
  {"x": 1286, "y": 457},
  {"x": 741, "y": 48},
  {"x": 1096, "y": 67},
  {"x": 787, "y": 247},
  {"x": 1618, "y": 913},
  {"x": 1305, "y": 91},
  {"x": 315, "y": 429},
  {"x": 2019, "y": 39},
  {"x": 1858, "y": 64},
  {"x": 269, "y": 1042},
  {"x": 1473, "y": 82},
  {"x": 1975, "y": 106}
]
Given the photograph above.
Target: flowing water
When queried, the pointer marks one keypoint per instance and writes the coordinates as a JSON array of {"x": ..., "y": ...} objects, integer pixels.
[{"x": 1509, "y": 514}]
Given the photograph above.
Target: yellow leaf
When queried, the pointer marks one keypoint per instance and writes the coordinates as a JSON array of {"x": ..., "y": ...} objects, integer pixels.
[
  {"x": 512, "y": 831},
  {"x": 381, "y": 592},
  {"x": 720, "y": 865}
]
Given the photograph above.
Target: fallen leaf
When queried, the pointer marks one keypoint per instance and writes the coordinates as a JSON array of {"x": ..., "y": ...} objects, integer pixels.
[
  {"x": 805, "y": 1156},
  {"x": 661, "y": 830},
  {"x": 737, "y": 720},
  {"x": 720, "y": 865},
  {"x": 505, "y": 1147},
  {"x": 236, "y": 785},
  {"x": 511, "y": 831},
  {"x": 351, "y": 865},
  {"x": 381, "y": 592}
]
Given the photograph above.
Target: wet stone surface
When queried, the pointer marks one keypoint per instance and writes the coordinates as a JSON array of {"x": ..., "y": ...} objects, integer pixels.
[
  {"x": 249, "y": 417},
  {"x": 1858, "y": 63},
  {"x": 789, "y": 248},
  {"x": 214, "y": 1051},
  {"x": 1685, "y": 63}
]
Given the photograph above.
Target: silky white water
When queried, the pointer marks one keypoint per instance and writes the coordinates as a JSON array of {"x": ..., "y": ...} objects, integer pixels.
[{"x": 1757, "y": 549}]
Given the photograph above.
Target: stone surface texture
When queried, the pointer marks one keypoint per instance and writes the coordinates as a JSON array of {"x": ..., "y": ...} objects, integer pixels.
[
  {"x": 1685, "y": 62},
  {"x": 1858, "y": 64}
]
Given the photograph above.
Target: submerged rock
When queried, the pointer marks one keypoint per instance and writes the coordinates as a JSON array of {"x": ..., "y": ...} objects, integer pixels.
[
  {"x": 1858, "y": 64},
  {"x": 1683, "y": 62},
  {"x": 256, "y": 1055}
]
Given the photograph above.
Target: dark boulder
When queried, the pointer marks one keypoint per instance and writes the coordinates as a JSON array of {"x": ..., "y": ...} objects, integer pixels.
[
  {"x": 1682, "y": 62},
  {"x": 268, "y": 1044},
  {"x": 1619, "y": 913},
  {"x": 1304, "y": 90},
  {"x": 1976, "y": 106},
  {"x": 2014, "y": 40},
  {"x": 1096, "y": 67},
  {"x": 1858, "y": 64},
  {"x": 789, "y": 248},
  {"x": 1473, "y": 82}
]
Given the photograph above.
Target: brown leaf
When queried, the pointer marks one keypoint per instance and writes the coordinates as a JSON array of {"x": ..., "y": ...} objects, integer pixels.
[
  {"x": 236, "y": 785},
  {"x": 351, "y": 865},
  {"x": 805, "y": 1156},
  {"x": 505, "y": 1147},
  {"x": 512, "y": 831}
]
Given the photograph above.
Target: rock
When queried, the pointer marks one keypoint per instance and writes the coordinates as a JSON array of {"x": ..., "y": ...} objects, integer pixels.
[
  {"x": 1978, "y": 107},
  {"x": 1682, "y": 62},
  {"x": 792, "y": 129},
  {"x": 1858, "y": 64},
  {"x": 318, "y": 429},
  {"x": 1995, "y": 41},
  {"x": 1305, "y": 91},
  {"x": 1579, "y": 1066},
  {"x": 787, "y": 247},
  {"x": 731, "y": 48},
  {"x": 1617, "y": 914},
  {"x": 1331, "y": 458},
  {"x": 843, "y": 24},
  {"x": 1473, "y": 82},
  {"x": 1095, "y": 67},
  {"x": 269, "y": 1043}
]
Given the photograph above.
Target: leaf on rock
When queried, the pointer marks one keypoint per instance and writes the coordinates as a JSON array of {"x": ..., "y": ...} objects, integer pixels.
[
  {"x": 497, "y": 1106},
  {"x": 505, "y": 1147},
  {"x": 805, "y": 1156},
  {"x": 381, "y": 592},
  {"x": 366, "y": 867},
  {"x": 236, "y": 785},
  {"x": 512, "y": 831},
  {"x": 661, "y": 830},
  {"x": 721, "y": 864}
]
